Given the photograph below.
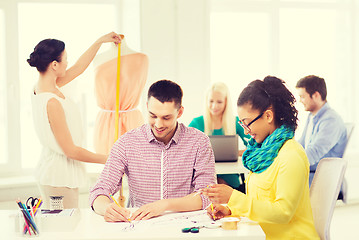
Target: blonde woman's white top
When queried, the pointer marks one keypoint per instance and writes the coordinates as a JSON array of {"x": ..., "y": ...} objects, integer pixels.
[{"x": 54, "y": 167}]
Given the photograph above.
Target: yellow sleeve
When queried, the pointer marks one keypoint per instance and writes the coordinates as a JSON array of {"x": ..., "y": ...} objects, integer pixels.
[{"x": 291, "y": 180}]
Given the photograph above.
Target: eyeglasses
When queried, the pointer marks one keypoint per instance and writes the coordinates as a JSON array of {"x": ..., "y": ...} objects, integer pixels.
[{"x": 246, "y": 126}]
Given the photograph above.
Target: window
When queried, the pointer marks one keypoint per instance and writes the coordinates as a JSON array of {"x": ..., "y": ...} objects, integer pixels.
[
  {"x": 308, "y": 45},
  {"x": 37, "y": 22},
  {"x": 240, "y": 52},
  {"x": 289, "y": 39}
]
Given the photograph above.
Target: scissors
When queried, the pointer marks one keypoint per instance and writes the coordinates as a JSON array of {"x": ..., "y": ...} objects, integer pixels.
[{"x": 31, "y": 202}]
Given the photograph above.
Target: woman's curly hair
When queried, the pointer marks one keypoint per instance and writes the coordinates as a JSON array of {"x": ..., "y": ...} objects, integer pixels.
[{"x": 271, "y": 92}]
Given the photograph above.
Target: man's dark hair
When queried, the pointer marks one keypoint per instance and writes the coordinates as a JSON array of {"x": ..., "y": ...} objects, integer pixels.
[
  {"x": 313, "y": 84},
  {"x": 166, "y": 91}
]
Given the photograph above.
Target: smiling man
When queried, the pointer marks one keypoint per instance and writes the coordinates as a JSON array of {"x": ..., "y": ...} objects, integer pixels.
[
  {"x": 324, "y": 134},
  {"x": 165, "y": 162}
]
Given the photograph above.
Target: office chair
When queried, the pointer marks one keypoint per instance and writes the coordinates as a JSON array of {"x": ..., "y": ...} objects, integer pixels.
[
  {"x": 344, "y": 190},
  {"x": 350, "y": 127},
  {"x": 324, "y": 193}
]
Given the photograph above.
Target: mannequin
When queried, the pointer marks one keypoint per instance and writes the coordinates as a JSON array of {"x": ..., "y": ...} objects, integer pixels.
[
  {"x": 133, "y": 75},
  {"x": 112, "y": 53}
]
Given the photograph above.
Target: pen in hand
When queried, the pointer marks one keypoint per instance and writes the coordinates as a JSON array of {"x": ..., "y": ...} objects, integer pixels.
[
  {"x": 200, "y": 192},
  {"x": 118, "y": 205},
  {"x": 214, "y": 216}
]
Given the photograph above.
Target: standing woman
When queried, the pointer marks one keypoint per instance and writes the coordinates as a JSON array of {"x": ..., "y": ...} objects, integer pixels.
[
  {"x": 277, "y": 185},
  {"x": 218, "y": 119},
  {"x": 60, "y": 171}
]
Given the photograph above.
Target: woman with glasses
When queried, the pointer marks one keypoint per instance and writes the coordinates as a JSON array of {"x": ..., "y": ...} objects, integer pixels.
[
  {"x": 218, "y": 119},
  {"x": 277, "y": 185}
]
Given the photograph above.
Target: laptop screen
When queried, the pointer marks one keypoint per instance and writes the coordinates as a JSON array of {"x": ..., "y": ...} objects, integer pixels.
[{"x": 225, "y": 147}]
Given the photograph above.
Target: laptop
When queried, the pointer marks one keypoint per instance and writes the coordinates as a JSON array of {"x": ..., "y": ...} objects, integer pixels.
[{"x": 225, "y": 147}]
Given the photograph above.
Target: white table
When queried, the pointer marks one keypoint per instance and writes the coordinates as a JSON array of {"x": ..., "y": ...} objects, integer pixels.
[
  {"x": 231, "y": 167},
  {"x": 92, "y": 226}
]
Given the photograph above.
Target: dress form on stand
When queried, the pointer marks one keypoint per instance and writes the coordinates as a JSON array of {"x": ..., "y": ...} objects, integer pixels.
[
  {"x": 133, "y": 70},
  {"x": 111, "y": 53}
]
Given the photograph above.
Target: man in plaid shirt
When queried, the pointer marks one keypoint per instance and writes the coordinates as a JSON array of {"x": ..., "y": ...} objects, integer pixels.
[{"x": 165, "y": 161}]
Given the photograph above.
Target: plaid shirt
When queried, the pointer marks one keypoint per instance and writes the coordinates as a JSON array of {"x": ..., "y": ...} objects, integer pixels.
[{"x": 187, "y": 164}]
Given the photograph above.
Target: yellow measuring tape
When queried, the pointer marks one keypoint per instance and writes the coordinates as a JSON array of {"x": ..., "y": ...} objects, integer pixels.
[
  {"x": 117, "y": 92},
  {"x": 121, "y": 197}
]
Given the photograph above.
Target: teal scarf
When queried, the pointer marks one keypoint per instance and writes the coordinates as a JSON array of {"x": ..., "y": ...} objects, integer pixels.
[{"x": 259, "y": 156}]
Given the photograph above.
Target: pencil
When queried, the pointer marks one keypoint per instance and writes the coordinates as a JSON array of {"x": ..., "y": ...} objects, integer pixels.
[
  {"x": 34, "y": 210},
  {"x": 31, "y": 220},
  {"x": 26, "y": 227},
  {"x": 115, "y": 201},
  {"x": 38, "y": 205},
  {"x": 118, "y": 205},
  {"x": 214, "y": 216},
  {"x": 27, "y": 216}
]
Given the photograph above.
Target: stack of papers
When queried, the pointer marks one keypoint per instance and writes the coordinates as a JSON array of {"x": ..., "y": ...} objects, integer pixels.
[{"x": 58, "y": 220}]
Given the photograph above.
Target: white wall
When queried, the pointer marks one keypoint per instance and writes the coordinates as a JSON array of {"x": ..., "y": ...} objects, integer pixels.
[
  {"x": 12, "y": 87},
  {"x": 175, "y": 36}
]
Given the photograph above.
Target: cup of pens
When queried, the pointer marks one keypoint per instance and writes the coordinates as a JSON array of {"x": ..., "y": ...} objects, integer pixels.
[{"x": 26, "y": 223}]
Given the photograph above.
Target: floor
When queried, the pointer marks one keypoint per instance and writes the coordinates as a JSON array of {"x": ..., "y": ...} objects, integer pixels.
[{"x": 345, "y": 222}]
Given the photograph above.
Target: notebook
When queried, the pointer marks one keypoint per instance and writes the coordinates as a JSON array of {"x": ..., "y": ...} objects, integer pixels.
[{"x": 225, "y": 147}]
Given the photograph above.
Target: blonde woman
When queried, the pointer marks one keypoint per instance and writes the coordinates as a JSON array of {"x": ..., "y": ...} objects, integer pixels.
[{"x": 218, "y": 119}]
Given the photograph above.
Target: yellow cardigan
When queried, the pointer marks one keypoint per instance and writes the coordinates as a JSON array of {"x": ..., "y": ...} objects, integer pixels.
[{"x": 278, "y": 198}]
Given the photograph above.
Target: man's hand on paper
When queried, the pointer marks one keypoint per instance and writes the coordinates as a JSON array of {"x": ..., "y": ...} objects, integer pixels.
[
  {"x": 150, "y": 210},
  {"x": 114, "y": 213}
]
